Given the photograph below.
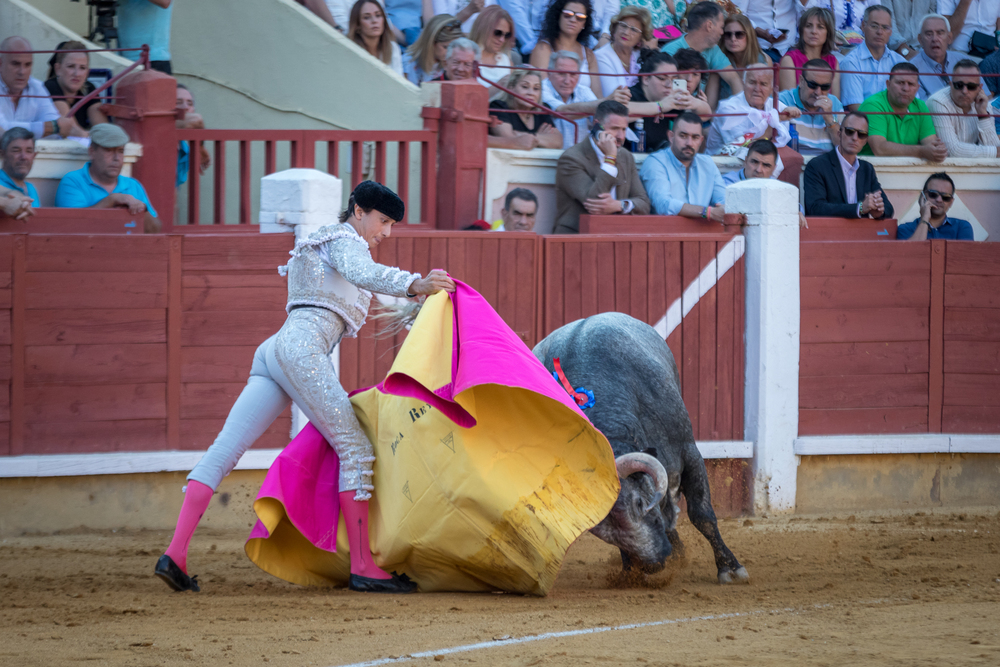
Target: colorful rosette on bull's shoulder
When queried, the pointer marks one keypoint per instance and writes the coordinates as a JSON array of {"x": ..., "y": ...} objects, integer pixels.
[{"x": 486, "y": 470}]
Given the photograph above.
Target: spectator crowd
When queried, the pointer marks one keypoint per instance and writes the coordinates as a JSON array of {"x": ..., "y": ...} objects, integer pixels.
[{"x": 603, "y": 80}]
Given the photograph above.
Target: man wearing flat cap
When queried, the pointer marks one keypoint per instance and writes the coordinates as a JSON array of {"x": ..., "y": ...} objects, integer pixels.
[{"x": 99, "y": 183}]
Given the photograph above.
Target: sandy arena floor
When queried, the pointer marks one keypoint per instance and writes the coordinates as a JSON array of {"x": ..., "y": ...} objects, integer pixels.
[{"x": 890, "y": 589}]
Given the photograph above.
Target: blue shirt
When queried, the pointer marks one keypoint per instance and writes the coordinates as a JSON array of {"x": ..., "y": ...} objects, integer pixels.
[
  {"x": 855, "y": 88},
  {"x": 669, "y": 186},
  {"x": 813, "y": 137},
  {"x": 28, "y": 190},
  {"x": 183, "y": 162},
  {"x": 78, "y": 190},
  {"x": 141, "y": 22},
  {"x": 952, "y": 228},
  {"x": 734, "y": 177},
  {"x": 714, "y": 56}
]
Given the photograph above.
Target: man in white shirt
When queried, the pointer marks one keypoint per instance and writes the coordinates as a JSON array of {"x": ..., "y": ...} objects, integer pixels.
[
  {"x": 774, "y": 21},
  {"x": 24, "y": 101},
  {"x": 972, "y": 134},
  {"x": 969, "y": 16}
]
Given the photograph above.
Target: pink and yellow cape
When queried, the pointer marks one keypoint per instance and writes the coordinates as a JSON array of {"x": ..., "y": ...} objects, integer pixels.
[{"x": 486, "y": 470}]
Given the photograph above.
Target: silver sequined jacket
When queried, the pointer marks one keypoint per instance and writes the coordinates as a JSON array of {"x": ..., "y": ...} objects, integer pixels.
[{"x": 333, "y": 268}]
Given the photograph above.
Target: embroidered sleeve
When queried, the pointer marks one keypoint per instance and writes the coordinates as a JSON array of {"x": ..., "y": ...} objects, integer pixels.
[{"x": 354, "y": 262}]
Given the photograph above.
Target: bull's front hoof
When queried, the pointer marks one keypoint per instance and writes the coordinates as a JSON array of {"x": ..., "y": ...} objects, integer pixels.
[{"x": 740, "y": 576}]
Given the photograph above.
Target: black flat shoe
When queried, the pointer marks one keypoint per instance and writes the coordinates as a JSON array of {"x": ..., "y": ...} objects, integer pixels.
[
  {"x": 167, "y": 570},
  {"x": 400, "y": 583}
]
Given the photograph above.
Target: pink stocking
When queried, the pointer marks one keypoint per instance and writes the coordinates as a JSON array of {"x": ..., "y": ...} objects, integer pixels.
[
  {"x": 196, "y": 501},
  {"x": 356, "y": 518}
]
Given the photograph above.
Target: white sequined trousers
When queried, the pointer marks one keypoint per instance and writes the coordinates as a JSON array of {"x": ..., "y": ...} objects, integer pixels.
[{"x": 295, "y": 365}]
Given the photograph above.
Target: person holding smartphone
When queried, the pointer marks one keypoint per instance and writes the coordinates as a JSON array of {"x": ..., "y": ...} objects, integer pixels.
[
  {"x": 935, "y": 200},
  {"x": 660, "y": 86},
  {"x": 598, "y": 176}
]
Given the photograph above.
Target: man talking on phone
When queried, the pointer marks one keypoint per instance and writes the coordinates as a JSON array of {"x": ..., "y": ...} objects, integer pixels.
[{"x": 598, "y": 176}]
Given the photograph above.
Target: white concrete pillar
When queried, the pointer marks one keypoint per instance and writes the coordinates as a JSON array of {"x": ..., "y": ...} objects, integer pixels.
[
  {"x": 772, "y": 336},
  {"x": 299, "y": 201}
]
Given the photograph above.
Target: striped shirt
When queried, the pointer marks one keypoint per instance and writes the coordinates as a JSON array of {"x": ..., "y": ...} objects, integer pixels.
[{"x": 813, "y": 137}]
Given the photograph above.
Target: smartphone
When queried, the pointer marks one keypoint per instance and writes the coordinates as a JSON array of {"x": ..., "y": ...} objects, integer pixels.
[
  {"x": 595, "y": 131},
  {"x": 680, "y": 84}
]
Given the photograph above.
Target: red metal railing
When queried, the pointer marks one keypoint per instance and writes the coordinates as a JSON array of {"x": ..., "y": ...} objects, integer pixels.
[{"x": 302, "y": 153}]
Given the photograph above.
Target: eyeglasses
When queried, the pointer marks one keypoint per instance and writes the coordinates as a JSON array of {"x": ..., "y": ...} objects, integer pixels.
[
  {"x": 501, "y": 33},
  {"x": 574, "y": 15},
  {"x": 813, "y": 85},
  {"x": 665, "y": 79},
  {"x": 453, "y": 25},
  {"x": 969, "y": 86},
  {"x": 934, "y": 194},
  {"x": 878, "y": 27},
  {"x": 738, "y": 34},
  {"x": 632, "y": 30},
  {"x": 850, "y": 131}
]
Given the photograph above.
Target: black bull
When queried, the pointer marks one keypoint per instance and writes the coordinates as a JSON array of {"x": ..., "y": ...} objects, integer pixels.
[{"x": 639, "y": 408}]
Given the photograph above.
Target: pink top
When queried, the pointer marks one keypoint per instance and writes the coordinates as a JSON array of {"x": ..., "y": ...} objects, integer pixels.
[{"x": 799, "y": 59}]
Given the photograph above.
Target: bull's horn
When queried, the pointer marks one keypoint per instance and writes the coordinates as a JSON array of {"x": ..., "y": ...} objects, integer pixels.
[{"x": 628, "y": 464}]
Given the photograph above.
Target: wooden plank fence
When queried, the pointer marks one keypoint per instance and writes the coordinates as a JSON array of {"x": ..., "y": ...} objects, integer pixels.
[{"x": 899, "y": 338}]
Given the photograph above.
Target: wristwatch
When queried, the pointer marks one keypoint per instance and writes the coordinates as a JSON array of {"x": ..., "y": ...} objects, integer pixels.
[{"x": 905, "y": 51}]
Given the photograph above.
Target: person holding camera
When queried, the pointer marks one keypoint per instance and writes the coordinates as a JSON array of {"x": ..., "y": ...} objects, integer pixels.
[
  {"x": 146, "y": 22},
  {"x": 598, "y": 176}
]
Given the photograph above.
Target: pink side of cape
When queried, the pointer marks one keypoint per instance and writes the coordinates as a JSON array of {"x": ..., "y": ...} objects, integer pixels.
[{"x": 484, "y": 351}]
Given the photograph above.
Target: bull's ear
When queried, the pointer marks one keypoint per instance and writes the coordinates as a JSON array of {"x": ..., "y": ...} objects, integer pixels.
[{"x": 651, "y": 451}]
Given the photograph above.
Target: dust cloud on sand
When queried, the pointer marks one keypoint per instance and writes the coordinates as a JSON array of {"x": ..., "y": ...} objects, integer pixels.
[{"x": 913, "y": 588}]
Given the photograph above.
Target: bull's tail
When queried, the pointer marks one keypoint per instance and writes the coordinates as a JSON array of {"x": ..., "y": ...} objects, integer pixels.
[{"x": 396, "y": 317}]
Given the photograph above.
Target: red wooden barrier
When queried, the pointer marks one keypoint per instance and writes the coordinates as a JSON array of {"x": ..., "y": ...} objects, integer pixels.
[
  {"x": 75, "y": 221},
  {"x": 900, "y": 338},
  {"x": 864, "y": 359},
  {"x": 845, "y": 229},
  {"x": 113, "y": 343},
  {"x": 650, "y": 224},
  {"x": 301, "y": 153},
  {"x": 971, "y": 338}
]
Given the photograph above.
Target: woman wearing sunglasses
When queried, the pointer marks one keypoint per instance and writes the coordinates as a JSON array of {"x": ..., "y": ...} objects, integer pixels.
[
  {"x": 629, "y": 29},
  {"x": 428, "y": 52},
  {"x": 935, "y": 201},
  {"x": 740, "y": 45},
  {"x": 493, "y": 31},
  {"x": 567, "y": 26},
  {"x": 816, "y": 42}
]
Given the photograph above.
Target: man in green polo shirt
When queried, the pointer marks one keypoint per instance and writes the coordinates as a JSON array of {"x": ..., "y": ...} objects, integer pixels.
[
  {"x": 906, "y": 134},
  {"x": 705, "y": 23}
]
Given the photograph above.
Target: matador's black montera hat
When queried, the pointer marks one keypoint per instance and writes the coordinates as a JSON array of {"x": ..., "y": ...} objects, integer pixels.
[{"x": 371, "y": 195}]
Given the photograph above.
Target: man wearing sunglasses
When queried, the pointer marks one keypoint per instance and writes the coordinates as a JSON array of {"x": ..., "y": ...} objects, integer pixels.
[
  {"x": 935, "y": 201},
  {"x": 900, "y": 124},
  {"x": 819, "y": 128},
  {"x": 838, "y": 184},
  {"x": 971, "y": 135}
]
